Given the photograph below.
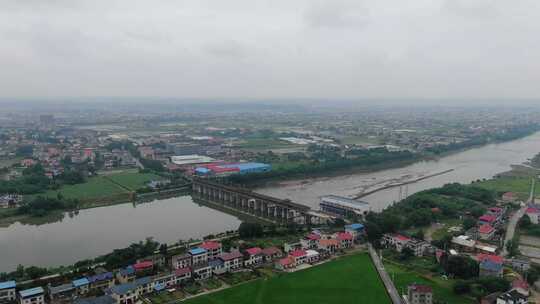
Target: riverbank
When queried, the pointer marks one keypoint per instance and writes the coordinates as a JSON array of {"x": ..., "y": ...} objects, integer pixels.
[{"x": 10, "y": 216}]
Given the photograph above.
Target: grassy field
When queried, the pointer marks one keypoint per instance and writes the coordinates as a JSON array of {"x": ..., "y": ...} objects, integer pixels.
[
  {"x": 442, "y": 289},
  {"x": 520, "y": 186},
  {"x": 104, "y": 186},
  {"x": 351, "y": 279},
  {"x": 133, "y": 181}
]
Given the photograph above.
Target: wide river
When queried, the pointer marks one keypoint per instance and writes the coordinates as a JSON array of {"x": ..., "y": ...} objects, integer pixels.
[{"x": 98, "y": 231}]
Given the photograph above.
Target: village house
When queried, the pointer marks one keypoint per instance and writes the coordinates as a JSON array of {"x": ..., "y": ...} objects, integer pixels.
[
  {"x": 512, "y": 297},
  {"x": 164, "y": 280},
  {"x": 212, "y": 248},
  {"x": 181, "y": 261},
  {"x": 395, "y": 241},
  {"x": 231, "y": 260},
  {"x": 106, "y": 299},
  {"x": 490, "y": 265},
  {"x": 199, "y": 256},
  {"x": 299, "y": 256},
  {"x": 520, "y": 264},
  {"x": 312, "y": 256},
  {"x": 7, "y": 291},
  {"x": 253, "y": 256},
  {"x": 345, "y": 240},
  {"x": 182, "y": 274},
  {"x": 310, "y": 241},
  {"x": 218, "y": 267},
  {"x": 34, "y": 295},
  {"x": 533, "y": 213},
  {"x": 509, "y": 197},
  {"x": 202, "y": 272},
  {"x": 328, "y": 246},
  {"x": 126, "y": 275},
  {"x": 61, "y": 293},
  {"x": 143, "y": 266},
  {"x": 82, "y": 286},
  {"x": 357, "y": 230},
  {"x": 271, "y": 253},
  {"x": 486, "y": 232},
  {"x": 156, "y": 259},
  {"x": 101, "y": 281},
  {"x": 419, "y": 294},
  {"x": 285, "y": 263},
  {"x": 487, "y": 219}
]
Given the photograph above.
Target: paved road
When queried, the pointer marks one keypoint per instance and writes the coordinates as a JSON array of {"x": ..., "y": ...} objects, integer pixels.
[
  {"x": 390, "y": 288},
  {"x": 511, "y": 228}
]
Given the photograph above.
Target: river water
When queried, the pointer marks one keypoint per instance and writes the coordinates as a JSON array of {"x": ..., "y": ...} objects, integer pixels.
[
  {"x": 98, "y": 231},
  {"x": 468, "y": 166}
]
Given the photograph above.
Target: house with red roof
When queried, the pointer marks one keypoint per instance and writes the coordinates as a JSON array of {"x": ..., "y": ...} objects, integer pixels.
[
  {"x": 271, "y": 253},
  {"x": 345, "y": 240},
  {"x": 299, "y": 256},
  {"x": 419, "y": 294},
  {"x": 285, "y": 263},
  {"x": 232, "y": 260},
  {"x": 395, "y": 241},
  {"x": 310, "y": 241},
  {"x": 509, "y": 197},
  {"x": 213, "y": 249},
  {"x": 253, "y": 256},
  {"x": 487, "y": 219},
  {"x": 143, "y": 266},
  {"x": 182, "y": 274},
  {"x": 486, "y": 232},
  {"x": 328, "y": 246}
]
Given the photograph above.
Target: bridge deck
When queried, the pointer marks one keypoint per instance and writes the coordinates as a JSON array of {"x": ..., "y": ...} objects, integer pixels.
[{"x": 255, "y": 195}]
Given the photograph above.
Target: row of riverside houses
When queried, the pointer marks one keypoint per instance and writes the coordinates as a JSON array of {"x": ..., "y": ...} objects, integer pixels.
[{"x": 128, "y": 285}]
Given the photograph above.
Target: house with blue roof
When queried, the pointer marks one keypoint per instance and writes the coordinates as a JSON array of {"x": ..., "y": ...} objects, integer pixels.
[
  {"x": 357, "y": 230},
  {"x": 491, "y": 268},
  {"x": 82, "y": 285},
  {"x": 34, "y": 295},
  {"x": 101, "y": 281},
  {"x": 7, "y": 291},
  {"x": 126, "y": 275},
  {"x": 199, "y": 256},
  {"x": 132, "y": 291}
]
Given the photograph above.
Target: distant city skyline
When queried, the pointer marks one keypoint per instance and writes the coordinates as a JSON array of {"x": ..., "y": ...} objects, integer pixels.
[{"x": 479, "y": 51}]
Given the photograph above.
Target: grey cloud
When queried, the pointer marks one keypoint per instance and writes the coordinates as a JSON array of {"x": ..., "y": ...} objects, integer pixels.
[{"x": 337, "y": 14}]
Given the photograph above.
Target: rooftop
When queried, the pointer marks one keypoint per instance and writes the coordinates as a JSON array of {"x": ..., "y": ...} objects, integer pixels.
[
  {"x": 231, "y": 256},
  {"x": 210, "y": 245},
  {"x": 486, "y": 228},
  {"x": 197, "y": 250},
  {"x": 80, "y": 282},
  {"x": 182, "y": 271},
  {"x": 8, "y": 284},
  {"x": 253, "y": 250},
  {"x": 31, "y": 292},
  {"x": 298, "y": 253}
]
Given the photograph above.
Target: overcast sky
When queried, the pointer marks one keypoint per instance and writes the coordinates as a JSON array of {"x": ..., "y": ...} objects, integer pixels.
[{"x": 270, "y": 49}]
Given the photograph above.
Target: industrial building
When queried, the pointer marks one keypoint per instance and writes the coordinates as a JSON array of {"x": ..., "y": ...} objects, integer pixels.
[
  {"x": 343, "y": 206},
  {"x": 183, "y": 160},
  {"x": 234, "y": 168}
]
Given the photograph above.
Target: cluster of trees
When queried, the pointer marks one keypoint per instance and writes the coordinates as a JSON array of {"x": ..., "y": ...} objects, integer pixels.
[
  {"x": 481, "y": 287},
  {"x": 509, "y": 134},
  {"x": 41, "y": 205},
  {"x": 323, "y": 164},
  {"x": 426, "y": 207},
  {"x": 33, "y": 181},
  {"x": 24, "y": 273},
  {"x": 129, "y": 255}
]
